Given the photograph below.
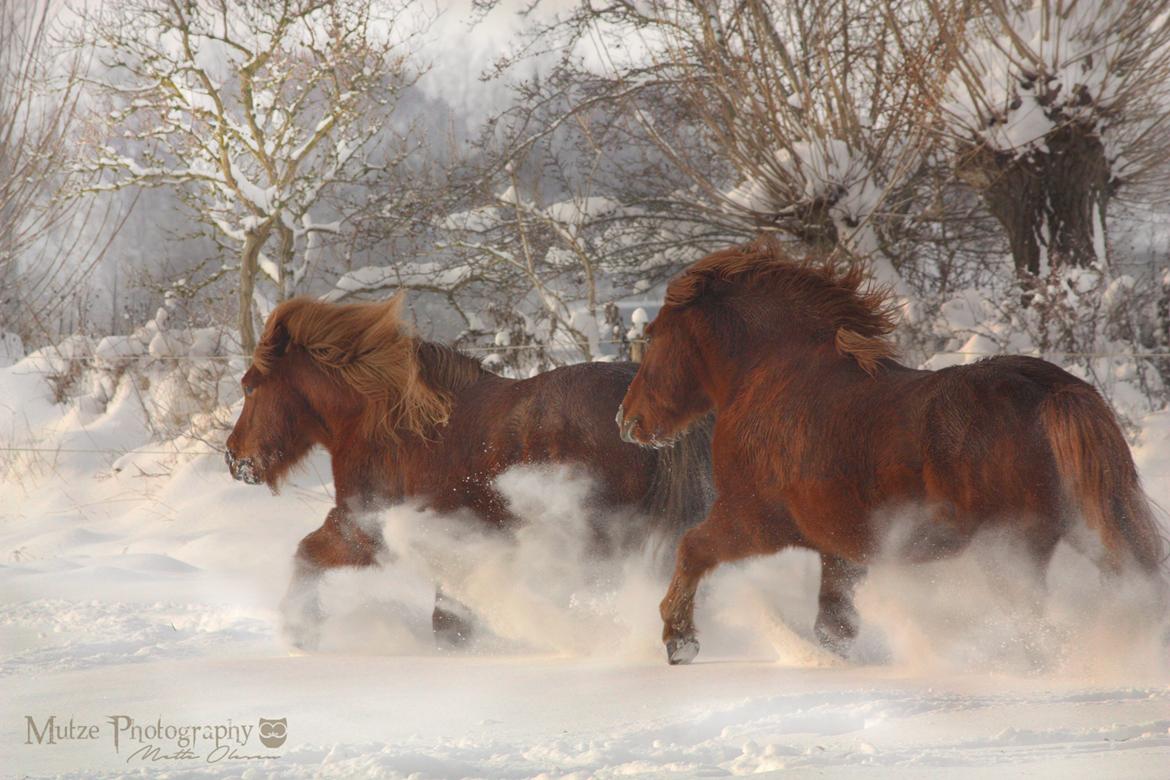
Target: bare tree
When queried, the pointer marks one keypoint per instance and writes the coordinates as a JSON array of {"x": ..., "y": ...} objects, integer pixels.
[
  {"x": 818, "y": 106},
  {"x": 855, "y": 125},
  {"x": 564, "y": 222},
  {"x": 805, "y": 117},
  {"x": 273, "y": 121},
  {"x": 39, "y": 93}
]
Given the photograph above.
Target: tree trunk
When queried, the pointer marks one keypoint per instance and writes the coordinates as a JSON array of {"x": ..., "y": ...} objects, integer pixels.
[
  {"x": 284, "y": 268},
  {"x": 1051, "y": 202},
  {"x": 253, "y": 243}
]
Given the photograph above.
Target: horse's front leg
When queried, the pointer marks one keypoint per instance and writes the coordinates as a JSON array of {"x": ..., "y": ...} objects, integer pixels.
[
  {"x": 729, "y": 533},
  {"x": 837, "y": 620},
  {"x": 340, "y": 541}
]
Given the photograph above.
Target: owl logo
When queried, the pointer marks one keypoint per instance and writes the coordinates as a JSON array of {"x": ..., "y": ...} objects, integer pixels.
[{"x": 273, "y": 733}]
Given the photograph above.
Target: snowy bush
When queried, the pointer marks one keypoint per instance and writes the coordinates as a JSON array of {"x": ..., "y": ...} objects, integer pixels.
[
  {"x": 1091, "y": 325},
  {"x": 182, "y": 378}
]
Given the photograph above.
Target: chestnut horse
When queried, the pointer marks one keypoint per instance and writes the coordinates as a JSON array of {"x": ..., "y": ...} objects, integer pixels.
[
  {"x": 407, "y": 419},
  {"x": 821, "y": 439}
]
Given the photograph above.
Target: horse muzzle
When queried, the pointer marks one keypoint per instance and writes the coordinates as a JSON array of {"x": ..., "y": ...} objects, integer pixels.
[
  {"x": 626, "y": 427},
  {"x": 633, "y": 431},
  {"x": 243, "y": 469}
]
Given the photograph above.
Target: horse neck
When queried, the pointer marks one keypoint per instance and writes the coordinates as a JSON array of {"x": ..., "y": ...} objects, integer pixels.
[
  {"x": 367, "y": 474},
  {"x": 799, "y": 356},
  {"x": 358, "y": 460},
  {"x": 369, "y": 469}
]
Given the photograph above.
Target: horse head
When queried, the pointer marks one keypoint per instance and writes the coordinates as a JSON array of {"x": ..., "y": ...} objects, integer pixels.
[
  {"x": 669, "y": 391},
  {"x": 278, "y": 424},
  {"x": 339, "y": 375}
]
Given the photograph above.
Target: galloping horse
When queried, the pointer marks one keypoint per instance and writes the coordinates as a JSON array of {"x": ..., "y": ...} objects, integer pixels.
[
  {"x": 821, "y": 439},
  {"x": 407, "y": 419}
]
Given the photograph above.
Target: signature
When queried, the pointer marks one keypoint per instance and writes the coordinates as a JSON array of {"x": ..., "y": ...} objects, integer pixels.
[{"x": 223, "y": 753}]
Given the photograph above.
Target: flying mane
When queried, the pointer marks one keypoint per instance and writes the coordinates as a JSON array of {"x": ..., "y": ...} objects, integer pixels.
[
  {"x": 860, "y": 314},
  {"x": 368, "y": 347}
]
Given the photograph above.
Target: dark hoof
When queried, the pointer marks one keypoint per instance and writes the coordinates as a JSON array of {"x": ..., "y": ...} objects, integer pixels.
[{"x": 681, "y": 650}]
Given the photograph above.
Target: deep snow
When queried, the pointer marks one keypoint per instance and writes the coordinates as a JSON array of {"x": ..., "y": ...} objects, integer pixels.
[{"x": 148, "y": 584}]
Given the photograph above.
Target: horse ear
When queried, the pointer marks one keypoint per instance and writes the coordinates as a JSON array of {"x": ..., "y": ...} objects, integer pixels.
[
  {"x": 395, "y": 303},
  {"x": 389, "y": 314},
  {"x": 277, "y": 339},
  {"x": 274, "y": 340}
]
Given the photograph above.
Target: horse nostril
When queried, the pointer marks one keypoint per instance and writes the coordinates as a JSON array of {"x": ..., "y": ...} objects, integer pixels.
[{"x": 627, "y": 429}]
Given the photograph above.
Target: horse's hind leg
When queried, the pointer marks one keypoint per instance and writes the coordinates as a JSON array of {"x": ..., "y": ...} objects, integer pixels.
[
  {"x": 728, "y": 534},
  {"x": 340, "y": 541},
  {"x": 837, "y": 621},
  {"x": 451, "y": 621},
  {"x": 1023, "y": 590}
]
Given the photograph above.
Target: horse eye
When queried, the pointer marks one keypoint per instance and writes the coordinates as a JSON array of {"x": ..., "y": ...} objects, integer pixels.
[{"x": 249, "y": 389}]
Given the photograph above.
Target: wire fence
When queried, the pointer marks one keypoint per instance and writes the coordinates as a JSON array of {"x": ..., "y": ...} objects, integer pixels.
[
  {"x": 138, "y": 358},
  {"x": 117, "y": 359},
  {"x": 212, "y": 450},
  {"x": 107, "y": 451}
]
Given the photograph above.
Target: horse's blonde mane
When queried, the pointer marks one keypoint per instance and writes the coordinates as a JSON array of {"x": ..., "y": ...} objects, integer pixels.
[
  {"x": 369, "y": 348},
  {"x": 860, "y": 314}
]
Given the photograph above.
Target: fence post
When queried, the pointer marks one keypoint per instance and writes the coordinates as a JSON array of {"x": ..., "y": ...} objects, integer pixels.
[{"x": 637, "y": 334}]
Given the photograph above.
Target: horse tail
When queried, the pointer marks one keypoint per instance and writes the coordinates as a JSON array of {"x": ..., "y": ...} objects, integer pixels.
[
  {"x": 1099, "y": 477},
  {"x": 683, "y": 488}
]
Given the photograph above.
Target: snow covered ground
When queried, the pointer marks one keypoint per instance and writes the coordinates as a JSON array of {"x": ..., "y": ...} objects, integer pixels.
[{"x": 147, "y": 586}]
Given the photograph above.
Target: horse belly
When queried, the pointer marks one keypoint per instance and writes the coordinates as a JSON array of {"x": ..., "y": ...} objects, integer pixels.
[
  {"x": 888, "y": 505},
  {"x": 1010, "y": 483},
  {"x": 622, "y": 473},
  {"x": 831, "y": 517}
]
